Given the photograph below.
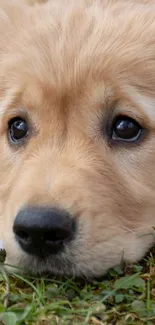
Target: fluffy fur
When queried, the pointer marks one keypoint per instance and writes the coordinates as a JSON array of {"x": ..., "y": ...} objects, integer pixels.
[{"x": 70, "y": 67}]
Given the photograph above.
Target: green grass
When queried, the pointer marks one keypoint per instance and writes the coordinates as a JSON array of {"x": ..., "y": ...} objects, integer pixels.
[{"x": 126, "y": 295}]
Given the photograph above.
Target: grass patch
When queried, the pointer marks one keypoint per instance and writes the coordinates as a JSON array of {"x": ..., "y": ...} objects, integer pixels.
[{"x": 126, "y": 295}]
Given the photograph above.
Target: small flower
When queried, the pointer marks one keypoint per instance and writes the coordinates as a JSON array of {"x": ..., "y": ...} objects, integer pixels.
[{"x": 2, "y": 252}]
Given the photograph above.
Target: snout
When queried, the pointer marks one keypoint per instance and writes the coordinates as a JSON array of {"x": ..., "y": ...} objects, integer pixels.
[{"x": 42, "y": 231}]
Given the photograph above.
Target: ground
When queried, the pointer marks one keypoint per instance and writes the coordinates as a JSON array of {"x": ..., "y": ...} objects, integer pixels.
[{"x": 126, "y": 295}]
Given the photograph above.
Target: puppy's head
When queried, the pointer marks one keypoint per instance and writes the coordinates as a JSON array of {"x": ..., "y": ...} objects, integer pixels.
[{"x": 77, "y": 135}]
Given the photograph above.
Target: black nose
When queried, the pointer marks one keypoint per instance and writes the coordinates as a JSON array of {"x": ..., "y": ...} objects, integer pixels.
[{"x": 42, "y": 231}]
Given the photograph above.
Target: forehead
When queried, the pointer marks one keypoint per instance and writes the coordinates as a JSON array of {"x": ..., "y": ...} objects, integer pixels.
[{"x": 65, "y": 51}]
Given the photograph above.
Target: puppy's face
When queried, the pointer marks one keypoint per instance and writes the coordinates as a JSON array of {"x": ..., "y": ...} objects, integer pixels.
[{"x": 77, "y": 135}]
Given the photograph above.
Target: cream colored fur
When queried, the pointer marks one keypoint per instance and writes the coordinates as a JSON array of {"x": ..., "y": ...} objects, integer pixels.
[{"x": 70, "y": 66}]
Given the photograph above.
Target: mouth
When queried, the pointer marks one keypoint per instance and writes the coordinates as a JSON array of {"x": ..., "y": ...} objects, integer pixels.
[{"x": 58, "y": 264}]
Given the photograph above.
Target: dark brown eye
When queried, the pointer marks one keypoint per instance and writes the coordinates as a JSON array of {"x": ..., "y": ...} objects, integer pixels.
[
  {"x": 18, "y": 129},
  {"x": 126, "y": 129}
]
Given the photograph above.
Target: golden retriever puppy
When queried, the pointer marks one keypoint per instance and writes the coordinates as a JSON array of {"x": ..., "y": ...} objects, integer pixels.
[{"x": 77, "y": 134}]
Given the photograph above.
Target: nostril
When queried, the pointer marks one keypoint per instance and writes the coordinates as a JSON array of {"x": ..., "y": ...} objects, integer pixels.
[
  {"x": 50, "y": 235},
  {"x": 22, "y": 234},
  {"x": 47, "y": 236},
  {"x": 56, "y": 236}
]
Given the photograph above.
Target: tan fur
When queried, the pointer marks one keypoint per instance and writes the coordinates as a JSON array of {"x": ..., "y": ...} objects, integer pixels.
[{"x": 71, "y": 66}]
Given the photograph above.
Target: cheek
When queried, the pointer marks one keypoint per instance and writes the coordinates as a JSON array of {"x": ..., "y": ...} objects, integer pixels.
[
  {"x": 136, "y": 168},
  {"x": 10, "y": 162},
  {"x": 138, "y": 164}
]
